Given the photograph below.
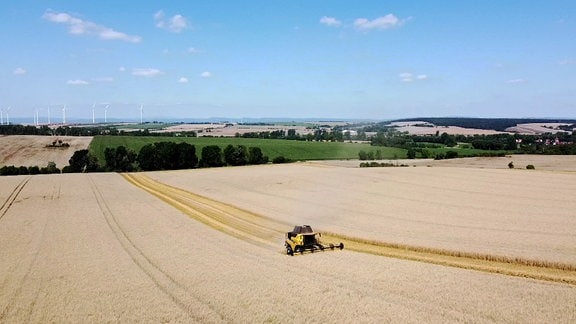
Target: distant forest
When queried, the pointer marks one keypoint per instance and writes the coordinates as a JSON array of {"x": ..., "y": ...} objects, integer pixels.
[{"x": 498, "y": 124}]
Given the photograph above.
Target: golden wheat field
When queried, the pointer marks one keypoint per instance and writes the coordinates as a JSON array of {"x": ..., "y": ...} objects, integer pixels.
[{"x": 423, "y": 244}]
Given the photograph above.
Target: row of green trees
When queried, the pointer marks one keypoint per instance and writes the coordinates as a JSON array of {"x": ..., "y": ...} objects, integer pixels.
[
  {"x": 497, "y": 142},
  {"x": 166, "y": 156},
  {"x": 17, "y": 129},
  {"x": 290, "y": 134},
  {"x": 319, "y": 135},
  {"x": 410, "y": 154},
  {"x": 9, "y": 170}
]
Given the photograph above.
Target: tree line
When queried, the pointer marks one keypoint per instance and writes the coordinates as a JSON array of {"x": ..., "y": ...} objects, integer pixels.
[
  {"x": 154, "y": 157},
  {"x": 168, "y": 156},
  {"x": 8, "y": 170},
  {"x": 534, "y": 144},
  {"x": 320, "y": 134},
  {"x": 17, "y": 129}
]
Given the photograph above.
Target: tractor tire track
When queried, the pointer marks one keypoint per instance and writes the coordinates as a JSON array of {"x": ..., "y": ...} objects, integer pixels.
[
  {"x": 12, "y": 197},
  {"x": 26, "y": 263},
  {"x": 259, "y": 229},
  {"x": 177, "y": 292},
  {"x": 226, "y": 218}
]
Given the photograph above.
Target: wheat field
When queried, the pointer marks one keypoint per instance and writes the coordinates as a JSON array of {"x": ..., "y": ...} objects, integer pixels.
[{"x": 206, "y": 245}]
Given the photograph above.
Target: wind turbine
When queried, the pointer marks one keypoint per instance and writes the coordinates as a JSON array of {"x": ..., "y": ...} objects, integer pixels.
[
  {"x": 7, "y": 116},
  {"x": 106, "y": 113},
  {"x": 141, "y": 113},
  {"x": 93, "y": 119},
  {"x": 64, "y": 115},
  {"x": 49, "y": 115},
  {"x": 1, "y": 116}
]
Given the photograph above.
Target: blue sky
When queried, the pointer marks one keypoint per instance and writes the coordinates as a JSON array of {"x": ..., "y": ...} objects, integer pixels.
[{"x": 288, "y": 58}]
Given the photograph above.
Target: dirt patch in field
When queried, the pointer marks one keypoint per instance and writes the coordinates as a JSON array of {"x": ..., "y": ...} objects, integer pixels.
[{"x": 28, "y": 150}]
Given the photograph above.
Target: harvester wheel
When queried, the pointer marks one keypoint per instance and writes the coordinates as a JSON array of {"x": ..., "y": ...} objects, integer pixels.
[
  {"x": 289, "y": 251},
  {"x": 341, "y": 246},
  {"x": 331, "y": 246}
]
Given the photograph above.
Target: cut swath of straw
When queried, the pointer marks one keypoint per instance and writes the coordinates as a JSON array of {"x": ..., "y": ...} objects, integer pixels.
[{"x": 513, "y": 266}]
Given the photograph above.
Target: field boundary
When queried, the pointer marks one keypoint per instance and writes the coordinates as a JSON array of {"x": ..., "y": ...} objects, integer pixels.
[{"x": 260, "y": 229}]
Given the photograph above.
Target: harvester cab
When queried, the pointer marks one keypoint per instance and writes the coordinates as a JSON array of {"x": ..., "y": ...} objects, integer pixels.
[{"x": 303, "y": 238}]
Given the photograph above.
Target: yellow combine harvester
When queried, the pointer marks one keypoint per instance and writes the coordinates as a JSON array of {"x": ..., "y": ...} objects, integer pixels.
[{"x": 302, "y": 238}]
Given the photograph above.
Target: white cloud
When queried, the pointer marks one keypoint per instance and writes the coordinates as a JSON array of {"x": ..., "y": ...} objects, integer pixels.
[
  {"x": 330, "y": 21},
  {"x": 146, "y": 72},
  {"x": 406, "y": 77},
  {"x": 175, "y": 24},
  {"x": 77, "y": 82},
  {"x": 384, "y": 22},
  {"x": 206, "y": 74},
  {"x": 410, "y": 77},
  {"x": 77, "y": 26},
  {"x": 193, "y": 50},
  {"x": 19, "y": 71},
  {"x": 183, "y": 80},
  {"x": 515, "y": 81},
  {"x": 122, "y": 69},
  {"x": 178, "y": 23},
  {"x": 159, "y": 19}
]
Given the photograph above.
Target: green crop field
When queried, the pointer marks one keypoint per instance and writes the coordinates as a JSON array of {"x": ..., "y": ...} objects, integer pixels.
[
  {"x": 465, "y": 152},
  {"x": 293, "y": 150}
]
